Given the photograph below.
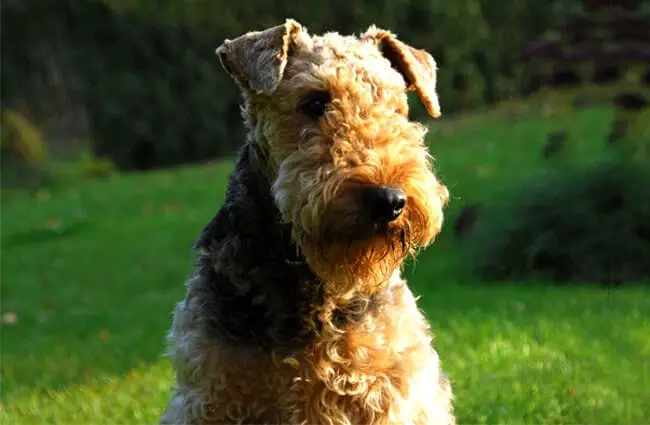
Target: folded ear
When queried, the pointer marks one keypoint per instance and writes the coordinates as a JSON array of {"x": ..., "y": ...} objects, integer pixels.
[
  {"x": 256, "y": 60},
  {"x": 416, "y": 66}
]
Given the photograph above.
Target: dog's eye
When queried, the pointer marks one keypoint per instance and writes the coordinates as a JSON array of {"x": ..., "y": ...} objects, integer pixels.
[{"x": 315, "y": 104}]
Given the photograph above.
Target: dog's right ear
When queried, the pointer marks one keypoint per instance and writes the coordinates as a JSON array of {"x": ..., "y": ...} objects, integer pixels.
[
  {"x": 416, "y": 66},
  {"x": 256, "y": 60}
]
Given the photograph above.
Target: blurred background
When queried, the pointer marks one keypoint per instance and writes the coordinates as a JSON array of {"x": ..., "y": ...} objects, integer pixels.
[{"x": 118, "y": 131}]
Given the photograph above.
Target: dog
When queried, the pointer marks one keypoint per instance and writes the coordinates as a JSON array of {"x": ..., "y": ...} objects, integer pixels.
[{"x": 296, "y": 312}]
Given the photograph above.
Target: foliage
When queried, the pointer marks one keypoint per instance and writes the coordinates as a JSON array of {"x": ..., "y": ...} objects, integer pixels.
[
  {"x": 96, "y": 167},
  {"x": 572, "y": 224},
  {"x": 84, "y": 166},
  {"x": 24, "y": 155},
  {"x": 147, "y": 75},
  {"x": 635, "y": 143},
  {"x": 22, "y": 139}
]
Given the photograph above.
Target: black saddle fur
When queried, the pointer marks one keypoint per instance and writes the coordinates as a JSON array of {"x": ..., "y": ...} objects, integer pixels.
[{"x": 260, "y": 291}]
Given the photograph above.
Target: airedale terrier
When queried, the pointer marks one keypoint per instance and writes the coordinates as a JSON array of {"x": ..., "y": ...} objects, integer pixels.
[{"x": 297, "y": 312}]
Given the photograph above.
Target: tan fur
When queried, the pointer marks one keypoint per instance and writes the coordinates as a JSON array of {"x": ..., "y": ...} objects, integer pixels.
[
  {"x": 418, "y": 66},
  {"x": 381, "y": 368},
  {"x": 257, "y": 59}
]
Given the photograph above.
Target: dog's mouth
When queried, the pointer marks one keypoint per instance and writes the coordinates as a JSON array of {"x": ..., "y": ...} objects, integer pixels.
[
  {"x": 369, "y": 252},
  {"x": 353, "y": 238},
  {"x": 361, "y": 216},
  {"x": 364, "y": 227},
  {"x": 365, "y": 231}
]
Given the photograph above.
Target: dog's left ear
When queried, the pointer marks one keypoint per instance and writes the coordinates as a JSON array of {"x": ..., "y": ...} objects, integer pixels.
[
  {"x": 416, "y": 66},
  {"x": 256, "y": 60}
]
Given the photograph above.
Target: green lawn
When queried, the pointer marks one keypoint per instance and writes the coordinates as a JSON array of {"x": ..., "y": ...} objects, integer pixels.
[{"x": 92, "y": 270}]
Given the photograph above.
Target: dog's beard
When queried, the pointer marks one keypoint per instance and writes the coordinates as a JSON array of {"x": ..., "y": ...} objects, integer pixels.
[
  {"x": 346, "y": 247},
  {"x": 354, "y": 254}
]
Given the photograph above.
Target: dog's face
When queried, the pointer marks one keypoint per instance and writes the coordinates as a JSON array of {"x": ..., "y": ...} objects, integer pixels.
[{"x": 348, "y": 169}]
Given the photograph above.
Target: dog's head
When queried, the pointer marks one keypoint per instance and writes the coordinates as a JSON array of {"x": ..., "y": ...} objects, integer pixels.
[{"x": 347, "y": 168}]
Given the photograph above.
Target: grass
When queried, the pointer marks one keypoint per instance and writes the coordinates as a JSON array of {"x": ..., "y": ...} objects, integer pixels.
[{"x": 92, "y": 271}]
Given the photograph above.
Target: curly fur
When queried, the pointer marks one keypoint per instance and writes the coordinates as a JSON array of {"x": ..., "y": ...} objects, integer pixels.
[{"x": 297, "y": 313}]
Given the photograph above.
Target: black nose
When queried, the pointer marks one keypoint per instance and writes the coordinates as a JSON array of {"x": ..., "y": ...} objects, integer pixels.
[{"x": 385, "y": 203}]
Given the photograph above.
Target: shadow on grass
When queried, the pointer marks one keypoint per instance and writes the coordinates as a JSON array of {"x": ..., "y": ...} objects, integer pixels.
[{"x": 32, "y": 236}]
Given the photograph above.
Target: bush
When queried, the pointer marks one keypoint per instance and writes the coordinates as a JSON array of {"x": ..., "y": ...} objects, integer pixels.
[
  {"x": 590, "y": 225},
  {"x": 24, "y": 159},
  {"x": 146, "y": 72},
  {"x": 153, "y": 92},
  {"x": 91, "y": 167},
  {"x": 22, "y": 140}
]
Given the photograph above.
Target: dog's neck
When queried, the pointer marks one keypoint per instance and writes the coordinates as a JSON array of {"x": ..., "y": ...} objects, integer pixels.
[
  {"x": 249, "y": 214},
  {"x": 259, "y": 289}
]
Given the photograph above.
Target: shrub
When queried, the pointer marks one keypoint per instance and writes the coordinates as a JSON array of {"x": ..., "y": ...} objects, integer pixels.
[
  {"x": 590, "y": 224},
  {"x": 635, "y": 142},
  {"x": 22, "y": 140},
  {"x": 23, "y": 151},
  {"x": 95, "y": 168},
  {"x": 147, "y": 74}
]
